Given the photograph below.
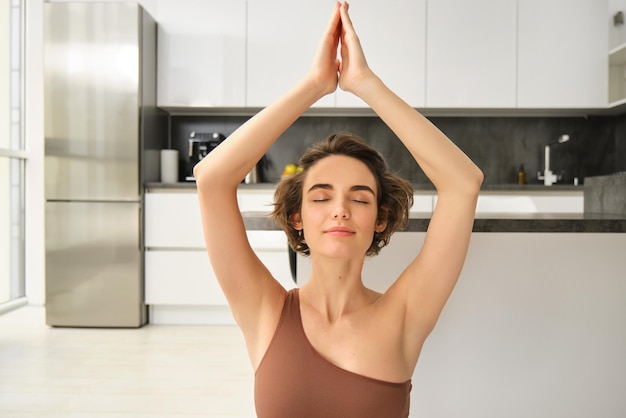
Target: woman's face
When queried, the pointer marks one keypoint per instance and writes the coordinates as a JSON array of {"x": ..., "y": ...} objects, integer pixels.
[{"x": 339, "y": 207}]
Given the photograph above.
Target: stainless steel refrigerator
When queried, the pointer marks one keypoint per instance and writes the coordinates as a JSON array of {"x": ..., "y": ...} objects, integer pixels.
[{"x": 102, "y": 136}]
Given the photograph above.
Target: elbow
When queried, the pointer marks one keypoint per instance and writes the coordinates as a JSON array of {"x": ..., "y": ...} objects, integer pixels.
[
  {"x": 210, "y": 179},
  {"x": 197, "y": 172},
  {"x": 472, "y": 181},
  {"x": 466, "y": 182},
  {"x": 205, "y": 171},
  {"x": 204, "y": 175},
  {"x": 199, "y": 175},
  {"x": 478, "y": 178}
]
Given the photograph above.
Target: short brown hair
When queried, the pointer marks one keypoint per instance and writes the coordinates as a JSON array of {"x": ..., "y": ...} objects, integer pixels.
[{"x": 395, "y": 194}]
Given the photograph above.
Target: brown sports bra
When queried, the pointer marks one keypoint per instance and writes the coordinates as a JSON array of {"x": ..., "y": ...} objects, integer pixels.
[{"x": 294, "y": 380}]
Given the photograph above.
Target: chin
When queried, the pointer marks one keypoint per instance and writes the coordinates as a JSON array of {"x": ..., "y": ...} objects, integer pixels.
[{"x": 341, "y": 252}]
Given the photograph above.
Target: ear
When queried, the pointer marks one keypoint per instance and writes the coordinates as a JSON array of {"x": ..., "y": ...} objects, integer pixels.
[
  {"x": 381, "y": 223},
  {"x": 296, "y": 221}
]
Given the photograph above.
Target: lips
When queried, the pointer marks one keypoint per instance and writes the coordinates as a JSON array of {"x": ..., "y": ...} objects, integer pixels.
[{"x": 339, "y": 231}]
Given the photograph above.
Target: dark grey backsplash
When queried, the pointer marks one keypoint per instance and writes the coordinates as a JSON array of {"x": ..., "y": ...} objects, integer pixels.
[{"x": 498, "y": 145}]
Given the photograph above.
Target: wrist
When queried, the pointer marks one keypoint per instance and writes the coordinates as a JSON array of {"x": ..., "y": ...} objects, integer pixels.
[
  {"x": 317, "y": 85},
  {"x": 367, "y": 86}
]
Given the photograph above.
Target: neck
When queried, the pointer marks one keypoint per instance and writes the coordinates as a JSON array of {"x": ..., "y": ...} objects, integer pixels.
[{"x": 335, "y": 287}]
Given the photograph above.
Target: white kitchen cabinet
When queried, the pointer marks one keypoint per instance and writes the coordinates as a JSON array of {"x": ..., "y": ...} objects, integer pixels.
[
  {"x": 181, "y": 277},
  {"x": 172, "y": 220},
  {"x": 562, "y": 54},
  {"x": 178, "y": 274},
  {"x": 423, "y": 202},
  {"x": 282, "y": 39},
  {"x": 471, "y": 54},
  {"x": 513, "y": 202},
  {"x": 617, "y": 32},
  {"x": 201, "y": 53},
  {"x": 526, "y": 202},
  {"x": 252, "y": 199},
  {"x": 173, "y": 217},
  {"x": 393, "y": 36}
]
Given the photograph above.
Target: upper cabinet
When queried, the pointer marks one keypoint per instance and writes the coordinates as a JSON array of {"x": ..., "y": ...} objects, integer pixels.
[
  {"x": 471, "y": 54},
  {"x": 435, "y": 54},
  {"x": 393, "y": 36},
  {"x": 281, "y": 51},
  {"x": 283, "y": 37},
  {"x": 201, "y": 53},
  {"x": 562, "y": 54}
]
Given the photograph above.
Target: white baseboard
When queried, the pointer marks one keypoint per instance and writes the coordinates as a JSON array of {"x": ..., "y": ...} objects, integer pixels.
[{"x": 12, "y": 304}]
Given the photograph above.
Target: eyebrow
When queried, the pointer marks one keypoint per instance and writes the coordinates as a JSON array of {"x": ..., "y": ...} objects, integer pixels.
[{"x": 326, "y": 186}]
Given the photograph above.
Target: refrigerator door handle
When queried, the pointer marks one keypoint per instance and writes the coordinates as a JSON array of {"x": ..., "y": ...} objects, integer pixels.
[{"x": 141, "y": 226}]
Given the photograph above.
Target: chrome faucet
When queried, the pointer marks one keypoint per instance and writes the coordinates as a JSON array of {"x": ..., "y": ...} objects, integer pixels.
[{"x": 548, "y": 177}]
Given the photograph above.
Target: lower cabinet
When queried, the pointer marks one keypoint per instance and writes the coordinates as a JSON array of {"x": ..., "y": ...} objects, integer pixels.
[
  {"x": 539, "y": 202},
  {"x": 185, "y": 277},
  {"x": 180, "y": 285},
  {"x": 181, "y": 277}
]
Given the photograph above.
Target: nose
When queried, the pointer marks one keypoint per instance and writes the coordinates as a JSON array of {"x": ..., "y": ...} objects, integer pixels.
[{"x": 341, "y": 212}]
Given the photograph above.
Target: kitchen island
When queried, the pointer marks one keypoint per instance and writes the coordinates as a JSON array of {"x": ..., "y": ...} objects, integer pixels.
[{"x": 534, "y": 327}]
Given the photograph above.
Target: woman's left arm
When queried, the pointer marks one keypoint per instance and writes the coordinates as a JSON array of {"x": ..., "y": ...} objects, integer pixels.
[{"x": 424, "y": 287}]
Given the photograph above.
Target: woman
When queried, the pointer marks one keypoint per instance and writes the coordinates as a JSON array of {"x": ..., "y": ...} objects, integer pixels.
[{"x": 335, "y": 348}]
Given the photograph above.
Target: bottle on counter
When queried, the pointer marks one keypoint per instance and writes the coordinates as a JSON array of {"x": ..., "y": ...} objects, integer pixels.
[{"x": 521, "y": 175}]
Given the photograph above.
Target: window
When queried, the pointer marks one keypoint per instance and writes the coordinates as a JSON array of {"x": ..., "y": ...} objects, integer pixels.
[{"x": 12, "y": 153}]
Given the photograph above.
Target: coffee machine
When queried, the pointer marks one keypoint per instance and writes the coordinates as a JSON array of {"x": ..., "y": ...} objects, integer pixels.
[{"x": 200, "y": 144}]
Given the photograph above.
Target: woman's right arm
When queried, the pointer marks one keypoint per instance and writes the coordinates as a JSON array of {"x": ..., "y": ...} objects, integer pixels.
[{"x": 253, "y": 294}]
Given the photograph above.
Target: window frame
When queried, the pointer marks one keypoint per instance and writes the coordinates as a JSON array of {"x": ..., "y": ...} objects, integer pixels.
[{"x": 16, "y": 152}]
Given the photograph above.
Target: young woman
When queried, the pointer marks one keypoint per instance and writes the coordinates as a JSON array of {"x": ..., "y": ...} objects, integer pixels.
[{"x": 335, "y": 348}]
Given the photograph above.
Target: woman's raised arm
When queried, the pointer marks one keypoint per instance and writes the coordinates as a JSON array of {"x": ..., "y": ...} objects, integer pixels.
[
  {"x": 253, "y": 294},
  {"x": 424, "y": 287}
]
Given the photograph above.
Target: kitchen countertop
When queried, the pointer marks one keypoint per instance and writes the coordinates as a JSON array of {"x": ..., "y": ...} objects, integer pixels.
[
  {"x": 506, "y": 222},
  {"x": 485, "y": 222},
  {"x": 527, "y": 188}
]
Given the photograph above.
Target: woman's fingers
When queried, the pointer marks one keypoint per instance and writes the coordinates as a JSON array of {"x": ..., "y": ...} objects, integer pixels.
[
  {"x": 349, "y": 39},
  {"x": 335, "y": 20},
  {"x": 345, "y": 16},
  {"x": 354, "y": 68},
  {"x": 325, "y": 68}
]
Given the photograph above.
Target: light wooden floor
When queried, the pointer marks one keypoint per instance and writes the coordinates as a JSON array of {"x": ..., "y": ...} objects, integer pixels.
[{"x": 155, "y": 371}]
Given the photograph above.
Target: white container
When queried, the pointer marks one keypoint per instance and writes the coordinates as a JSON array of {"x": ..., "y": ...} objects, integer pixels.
[{"x": 169, "y": 166}]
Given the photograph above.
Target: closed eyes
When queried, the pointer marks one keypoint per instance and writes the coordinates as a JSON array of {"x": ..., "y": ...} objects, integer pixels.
[
  {"x": 358, "y": 191},
  {"x": 364, "y": 202}
]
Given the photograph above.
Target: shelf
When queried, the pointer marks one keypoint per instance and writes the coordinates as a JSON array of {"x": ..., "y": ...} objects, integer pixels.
[
  {"x": 617, "y": 88},
  {"x": 617, "y": 55},
  {"x": 615, "y": 108}
]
